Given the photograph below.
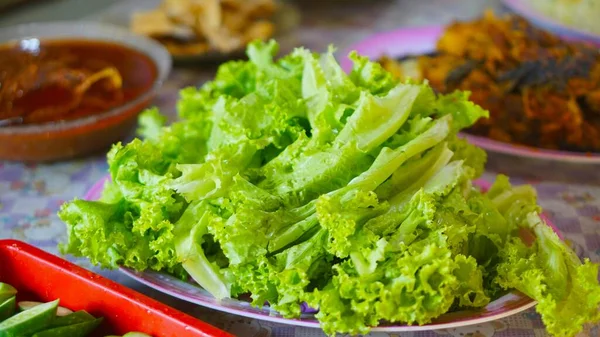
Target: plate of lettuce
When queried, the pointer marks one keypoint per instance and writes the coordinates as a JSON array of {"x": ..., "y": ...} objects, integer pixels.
[{"x": 293, "y": 191}]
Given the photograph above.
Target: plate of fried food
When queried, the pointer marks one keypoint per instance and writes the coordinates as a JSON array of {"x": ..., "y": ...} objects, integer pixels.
[
  {"x": 205, "y": 30},
  {"x": 542, "y": 92}
]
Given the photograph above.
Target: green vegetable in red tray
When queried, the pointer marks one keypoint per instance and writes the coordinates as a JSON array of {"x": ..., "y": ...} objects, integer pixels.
[
  {"x": 37, "y": 319},
  {"x": 6, "y": 291},
  {"x": 60, "y": 311},
  {"x": 7, "y": 308},
  {"x": 30, "y": 321},
  {"x": 296, "y": 182}
]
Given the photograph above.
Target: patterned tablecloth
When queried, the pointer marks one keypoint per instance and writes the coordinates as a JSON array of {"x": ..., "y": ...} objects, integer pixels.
[{"x": 31, "y": 194}]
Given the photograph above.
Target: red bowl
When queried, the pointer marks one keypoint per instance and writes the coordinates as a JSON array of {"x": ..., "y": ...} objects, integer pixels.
[{"x": 41, "y": 276}]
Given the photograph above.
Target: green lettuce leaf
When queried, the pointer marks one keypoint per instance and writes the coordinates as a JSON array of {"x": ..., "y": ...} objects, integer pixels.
[{"x": 546, "y": 269}]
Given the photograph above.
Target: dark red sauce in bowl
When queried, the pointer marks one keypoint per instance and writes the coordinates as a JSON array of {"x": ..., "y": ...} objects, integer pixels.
[
  {"x": 75, "y": 93},
  {"x": 39, "y": 84}
]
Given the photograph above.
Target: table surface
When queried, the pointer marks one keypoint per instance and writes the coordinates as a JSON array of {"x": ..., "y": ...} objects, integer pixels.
[{"x": 31, "y": 194}]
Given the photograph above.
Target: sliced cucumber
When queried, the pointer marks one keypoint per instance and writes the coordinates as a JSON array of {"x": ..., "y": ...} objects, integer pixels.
[
  {"x": 73, "y": 330},
  {"x": 136, "y": 334},
  {"x": 7, "y": 308},
  {"x": 26, "y": 305},
  {"x": 6, "y": 291},
  {"x": 74, "y": 318},
  {"x": 29, "y": 321}
]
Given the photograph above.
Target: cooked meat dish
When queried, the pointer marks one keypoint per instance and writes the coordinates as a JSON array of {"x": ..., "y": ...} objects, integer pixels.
[{"x": 541, "y": 91}]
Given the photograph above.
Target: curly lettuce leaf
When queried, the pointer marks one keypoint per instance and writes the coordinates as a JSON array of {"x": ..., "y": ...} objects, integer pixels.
[
  {"x": 343, "y": 216},
  {"x": 464, "y": 112},
  {"x": 113, "y": 235},
  {"x": 407, "y": 287},
  {"x": 320, "y": 170},
  {"x": 189, "y": 235},
  {"x": 213, "y": 177},
  {"x": 472, "y": 156},
  {"x": 370, "y": 76},
  {"x": 151, "y": 123},
  {"x": 389, "y": 160},
  {"x": 328, "y": 93},
  {"x": 546, "y": 269}
]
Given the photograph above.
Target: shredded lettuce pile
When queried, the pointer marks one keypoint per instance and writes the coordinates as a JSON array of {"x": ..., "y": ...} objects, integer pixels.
[{"x": 295, "y": 182}]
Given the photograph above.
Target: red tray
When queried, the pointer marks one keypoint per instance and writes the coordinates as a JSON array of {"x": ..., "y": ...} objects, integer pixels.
[{"x": 41, "y": 276}]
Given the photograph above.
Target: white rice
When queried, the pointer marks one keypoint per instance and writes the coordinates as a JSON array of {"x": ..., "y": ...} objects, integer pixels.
[{"x": 580, "y": 14}]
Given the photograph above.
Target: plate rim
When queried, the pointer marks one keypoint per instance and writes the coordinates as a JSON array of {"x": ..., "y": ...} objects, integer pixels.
[
  {"x": 95, "y": 191},
  {"x": 315, "y": 323},
  {"x": 377, "y": 44}
]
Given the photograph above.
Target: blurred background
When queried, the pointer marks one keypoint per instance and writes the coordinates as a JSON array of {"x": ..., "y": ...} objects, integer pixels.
[
  {"x": 406, "y": 12},
  {"x": 311, "y": 23}
]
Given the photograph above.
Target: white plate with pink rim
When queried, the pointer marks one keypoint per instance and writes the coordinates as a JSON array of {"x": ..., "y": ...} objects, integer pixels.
[
  {"x": 416, "y": 41},
  {"x": 507, "y": 305}
]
